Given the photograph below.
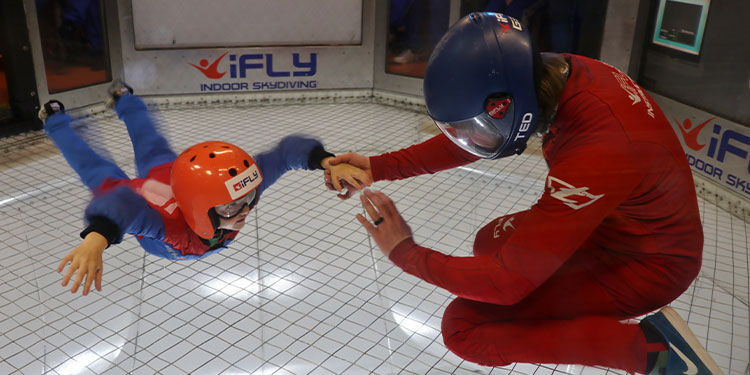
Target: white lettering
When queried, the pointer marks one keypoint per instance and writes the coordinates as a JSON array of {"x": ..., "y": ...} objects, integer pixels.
[
  {"x": 525, "y": 125},
  {"x": 516, "y": 25}
]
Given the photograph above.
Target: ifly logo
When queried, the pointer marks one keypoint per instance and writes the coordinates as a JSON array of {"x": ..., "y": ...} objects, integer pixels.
[
  {"x": 245, "y": 181},
  {"x": 721, "y": 142},
  {"x": 690, "y": 133},
  {"x": 240, "y": 64},
  {"x": 210, "y": 71}
]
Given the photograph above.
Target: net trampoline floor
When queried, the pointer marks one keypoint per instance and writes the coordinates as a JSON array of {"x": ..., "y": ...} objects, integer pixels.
[{"x": 303, "y": 290}]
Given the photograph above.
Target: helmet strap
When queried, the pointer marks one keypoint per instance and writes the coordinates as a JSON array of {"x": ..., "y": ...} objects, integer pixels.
[{"x": 215, "y": 219}]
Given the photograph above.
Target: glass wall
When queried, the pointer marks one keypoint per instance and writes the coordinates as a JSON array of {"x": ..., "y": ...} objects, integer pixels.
[
  {"x": 563, "y": 26},
  {"x": 415, "y": 27},
  {"x": 74, "y": 43}
]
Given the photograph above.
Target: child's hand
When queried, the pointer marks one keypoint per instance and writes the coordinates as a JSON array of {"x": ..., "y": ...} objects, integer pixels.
[
  {"x": 87, "y": 259},
  {"x": 345, "y": 176}
]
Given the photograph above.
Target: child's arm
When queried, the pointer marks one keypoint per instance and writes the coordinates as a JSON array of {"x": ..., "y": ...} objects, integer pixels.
[
  {"x": 87, "y": 260},
  {"x": 109, "y": 217},
  {"x": 123, "y": 211},
  {"x": 292, "y": 152},
  {"x": 297, "y": 152}
]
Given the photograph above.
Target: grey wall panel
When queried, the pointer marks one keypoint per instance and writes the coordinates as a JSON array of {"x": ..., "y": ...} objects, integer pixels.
[
  {"x": 619, "y": 32},
  {"x": 241, "y": 23},
  {"x": 225, "y": 69}
]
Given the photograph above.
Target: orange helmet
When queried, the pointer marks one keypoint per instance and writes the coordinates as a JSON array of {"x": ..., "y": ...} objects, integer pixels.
[{"x": 211, "y": 174}]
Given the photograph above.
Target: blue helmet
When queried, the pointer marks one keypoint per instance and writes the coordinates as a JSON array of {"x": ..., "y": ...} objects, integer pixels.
[{"x": 479, "y": 85}]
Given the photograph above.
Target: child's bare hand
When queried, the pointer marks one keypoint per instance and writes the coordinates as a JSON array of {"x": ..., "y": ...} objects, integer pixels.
[
  {"x": 351, "y": 174},
  {"x": 87, "y": 260},
  {"x": 346, "y": 176}
]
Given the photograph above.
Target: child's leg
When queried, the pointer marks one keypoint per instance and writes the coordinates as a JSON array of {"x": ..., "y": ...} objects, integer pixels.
[
  {"x": 151, "y": 148},
  {"x": 92, "y": 168}
]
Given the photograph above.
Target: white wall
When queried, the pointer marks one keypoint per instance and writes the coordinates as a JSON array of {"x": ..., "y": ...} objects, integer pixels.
[
  {"x": 321, "y": 44},
  {"x": 243, "y": 23}
]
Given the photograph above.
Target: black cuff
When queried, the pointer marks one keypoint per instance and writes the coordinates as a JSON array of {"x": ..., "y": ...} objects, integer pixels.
[
  {"x": 316, "y": 157},
  {"x": 103, "y": 226}
]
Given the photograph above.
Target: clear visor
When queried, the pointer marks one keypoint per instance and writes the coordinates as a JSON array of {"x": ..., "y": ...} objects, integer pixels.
[
  {"x": 477, "y": 135},
  {"x": 233, "y": 208}
]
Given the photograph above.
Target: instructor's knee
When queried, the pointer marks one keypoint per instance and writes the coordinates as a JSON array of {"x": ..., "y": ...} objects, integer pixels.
[
  {"x": 461, "y": 330},
  {"x": 457, "y": 326}
]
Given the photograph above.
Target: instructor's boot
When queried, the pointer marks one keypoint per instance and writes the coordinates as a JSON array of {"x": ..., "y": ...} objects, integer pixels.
[{"x": 685, "y": 354}]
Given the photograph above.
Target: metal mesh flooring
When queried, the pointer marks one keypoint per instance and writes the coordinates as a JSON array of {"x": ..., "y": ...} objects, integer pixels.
[{"x": 303, "y": 290}]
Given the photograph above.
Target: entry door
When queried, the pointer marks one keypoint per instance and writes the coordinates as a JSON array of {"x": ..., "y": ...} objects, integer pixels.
[{"x": 76, "y": 49}]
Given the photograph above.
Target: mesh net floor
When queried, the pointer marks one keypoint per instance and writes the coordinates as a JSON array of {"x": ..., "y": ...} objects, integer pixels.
[{"x": 303, "y": 290}]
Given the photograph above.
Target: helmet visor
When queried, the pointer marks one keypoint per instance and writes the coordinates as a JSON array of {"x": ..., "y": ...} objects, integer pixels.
[
  {"x": 477, "y": 135},
  {"x": 233, "y": 208}
]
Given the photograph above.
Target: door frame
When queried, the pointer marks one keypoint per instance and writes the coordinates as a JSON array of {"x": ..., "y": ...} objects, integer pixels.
[{"x": 85, "y": 96}]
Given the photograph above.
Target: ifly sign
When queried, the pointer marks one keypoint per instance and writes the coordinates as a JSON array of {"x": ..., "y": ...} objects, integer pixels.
[{"x": 234, "y": 70}]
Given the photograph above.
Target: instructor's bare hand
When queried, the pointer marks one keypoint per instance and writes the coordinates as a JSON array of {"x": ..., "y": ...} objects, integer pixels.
[
  {"x": 392, "y": 229},
  {"x": 86, "y": 259}
]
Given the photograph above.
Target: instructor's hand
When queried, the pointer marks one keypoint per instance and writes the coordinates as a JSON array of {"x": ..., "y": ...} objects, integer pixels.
[
  {"x": 87, "y": 260},
  {"x": 388, "y": 228}
]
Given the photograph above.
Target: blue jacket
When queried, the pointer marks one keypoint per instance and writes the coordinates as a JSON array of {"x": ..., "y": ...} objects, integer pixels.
[{"x": 132, "y": 214}]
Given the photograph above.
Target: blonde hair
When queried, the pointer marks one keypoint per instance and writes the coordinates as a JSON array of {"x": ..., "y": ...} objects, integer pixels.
[{"x": 552, "y": 76}]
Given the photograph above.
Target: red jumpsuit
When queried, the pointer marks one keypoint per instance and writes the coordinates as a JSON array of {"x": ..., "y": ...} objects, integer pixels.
[{"x": 616, "y": 234}]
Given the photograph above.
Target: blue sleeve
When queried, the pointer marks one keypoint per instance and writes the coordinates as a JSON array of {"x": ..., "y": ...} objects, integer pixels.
[
  {"x": 129, "y": 211},
  {"x": 293, "y": 152}
]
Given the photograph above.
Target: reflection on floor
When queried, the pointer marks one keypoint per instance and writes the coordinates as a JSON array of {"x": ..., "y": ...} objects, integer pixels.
[{"x": 303, "y": 290}]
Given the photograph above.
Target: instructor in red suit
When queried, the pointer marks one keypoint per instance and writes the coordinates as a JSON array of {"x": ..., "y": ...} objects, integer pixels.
[{"x": 616, "y": 235}]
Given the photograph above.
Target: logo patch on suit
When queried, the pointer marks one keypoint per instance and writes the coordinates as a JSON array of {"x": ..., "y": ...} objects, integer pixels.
[
  {"x": 573, "y": 197},
  {"x": 504, "y": 224}
]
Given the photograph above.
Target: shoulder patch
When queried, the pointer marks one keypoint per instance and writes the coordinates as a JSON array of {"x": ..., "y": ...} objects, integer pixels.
[{"x": 573, "y": 197}]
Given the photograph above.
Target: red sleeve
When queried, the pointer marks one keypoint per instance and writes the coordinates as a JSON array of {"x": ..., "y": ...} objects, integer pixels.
[
  {"x": 484, "y": 278},
  {"x": 582, "y": 188},
  {"x": 433, "y": 155}
]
